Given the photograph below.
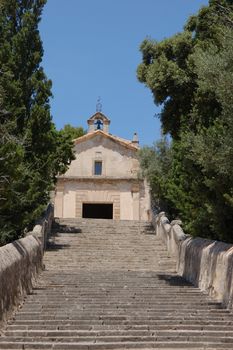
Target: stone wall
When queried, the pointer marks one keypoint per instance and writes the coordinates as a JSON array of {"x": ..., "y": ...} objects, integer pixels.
[
  {"x": 117, "y": 160},
  {"x": 118, "y": 183},
  {"x": 20, "y": 262},
  {"x": 130, "y": 198},
  {"x": 205, "y": 263},
  {"x": 43, "y": 226}
]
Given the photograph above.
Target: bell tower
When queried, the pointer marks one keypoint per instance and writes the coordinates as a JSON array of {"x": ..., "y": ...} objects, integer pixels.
[{"x": 98, "y": 122}]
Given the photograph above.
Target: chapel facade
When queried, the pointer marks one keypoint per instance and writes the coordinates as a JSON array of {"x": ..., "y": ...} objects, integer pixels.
[{"x": 103, "y": 181}]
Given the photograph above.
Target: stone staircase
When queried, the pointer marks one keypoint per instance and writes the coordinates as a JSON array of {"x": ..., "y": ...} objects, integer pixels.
[{"x": 110, "y": 285}]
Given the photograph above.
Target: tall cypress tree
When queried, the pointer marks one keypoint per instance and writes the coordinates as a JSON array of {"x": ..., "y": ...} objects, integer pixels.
[{"x": 26, "y": 99}]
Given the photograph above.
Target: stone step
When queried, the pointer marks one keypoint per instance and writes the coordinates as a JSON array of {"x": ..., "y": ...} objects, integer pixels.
[
  {"x": 115, "y": 346},
  {"x": 154, "y": 307},
  {"x": 73, "y": 302},
  {"x": 101, "y": 222},
  {"x": 111, "y": 285},
  {"x": 101, "y": 226},
  {"x": 197, "y": 338},
  {"x": 88, "y": 315},
  {"x": 93, "y": 306},
  {"x": 100, "y": 334},
  {"x": 110, "y": 322},
  {"x": 173, "y": 325}
]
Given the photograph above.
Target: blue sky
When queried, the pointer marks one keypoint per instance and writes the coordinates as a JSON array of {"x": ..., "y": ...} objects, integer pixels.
[{"x": 91, "y": 49}]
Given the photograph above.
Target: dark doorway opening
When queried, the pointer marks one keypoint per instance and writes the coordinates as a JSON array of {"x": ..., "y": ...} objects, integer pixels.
[{"x": 97, "y": 211}]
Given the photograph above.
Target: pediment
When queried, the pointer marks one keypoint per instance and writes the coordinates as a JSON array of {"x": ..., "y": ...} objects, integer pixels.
[{"x": 124, "y": 143}]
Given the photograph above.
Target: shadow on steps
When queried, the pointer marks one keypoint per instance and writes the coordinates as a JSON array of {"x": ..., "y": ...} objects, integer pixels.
[
  {"x": 51, "y": 246},
  {"x": 62, "y": 228},
  {"x": 174, "y": 280}
]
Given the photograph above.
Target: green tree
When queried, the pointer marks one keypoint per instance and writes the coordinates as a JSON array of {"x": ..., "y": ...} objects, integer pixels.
[
  {"x": 39, "y": 151},
  {"x": 155, "y": 164},
  {"x": 212, "y": 148},
  {"x": 190, "y": 75},
  {"x": 72, "y": 132},
  {"x": 167, "y": 68}
]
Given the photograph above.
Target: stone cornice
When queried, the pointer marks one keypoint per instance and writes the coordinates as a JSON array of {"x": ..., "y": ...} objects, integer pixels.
[{"x": 98, "y": 178}]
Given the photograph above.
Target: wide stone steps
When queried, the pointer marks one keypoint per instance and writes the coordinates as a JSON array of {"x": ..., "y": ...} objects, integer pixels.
[
  {"x": 146, "y": 345},
  {"x": 72, "y": 326},
  {"x": 102, "y": 226},
  {"x": 111, "y": 285}
]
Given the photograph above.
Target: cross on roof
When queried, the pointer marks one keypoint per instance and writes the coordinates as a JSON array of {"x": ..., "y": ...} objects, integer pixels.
[{"x": 99, "y": 105}]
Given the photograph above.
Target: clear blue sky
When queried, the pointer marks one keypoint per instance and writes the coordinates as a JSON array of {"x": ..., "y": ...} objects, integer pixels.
[{"x": 91, "y": 49}]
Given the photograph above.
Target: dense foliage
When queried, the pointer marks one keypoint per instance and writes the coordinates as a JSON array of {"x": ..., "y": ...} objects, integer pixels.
[
  {"x": 32, "y": 151},
  {"x": 191, "y": 76},
  {"x": 72, "y": 132}
]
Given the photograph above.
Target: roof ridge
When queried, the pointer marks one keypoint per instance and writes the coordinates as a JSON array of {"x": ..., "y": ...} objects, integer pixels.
[{"x": 126, "y": 142}]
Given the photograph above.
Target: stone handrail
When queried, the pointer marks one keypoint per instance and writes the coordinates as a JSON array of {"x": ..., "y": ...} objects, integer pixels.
[
  {"x": 170, "y": 233},
  {"x": 20, "y": 262},
  {"x": 43, "y": 226},
  {"x": 206, "y": 263}
]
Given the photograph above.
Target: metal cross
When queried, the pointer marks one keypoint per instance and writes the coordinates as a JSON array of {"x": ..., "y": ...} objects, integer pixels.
[{"x": 99, "y": 105}]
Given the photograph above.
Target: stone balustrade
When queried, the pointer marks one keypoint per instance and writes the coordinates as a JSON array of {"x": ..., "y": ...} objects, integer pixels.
[
  {"x": 43, "y": 226},
  {"x": 20, "y": 263},
  {"x": 206, "y": 263}
]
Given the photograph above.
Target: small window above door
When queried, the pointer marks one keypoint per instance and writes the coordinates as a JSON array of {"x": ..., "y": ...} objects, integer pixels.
[{"x": 98, "y": 167}]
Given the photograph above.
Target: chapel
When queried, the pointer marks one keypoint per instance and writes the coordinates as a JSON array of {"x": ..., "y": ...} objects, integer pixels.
[{"x": 103, "y": 181}]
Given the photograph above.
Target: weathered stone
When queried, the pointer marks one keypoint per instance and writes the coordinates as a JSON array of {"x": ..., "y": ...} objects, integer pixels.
[
  {"x": 116, "y": 182},
  {"x": 20, "y": 263},
  {"x": 111, "y": 285},
  {"x": 205, "y": 263}
]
